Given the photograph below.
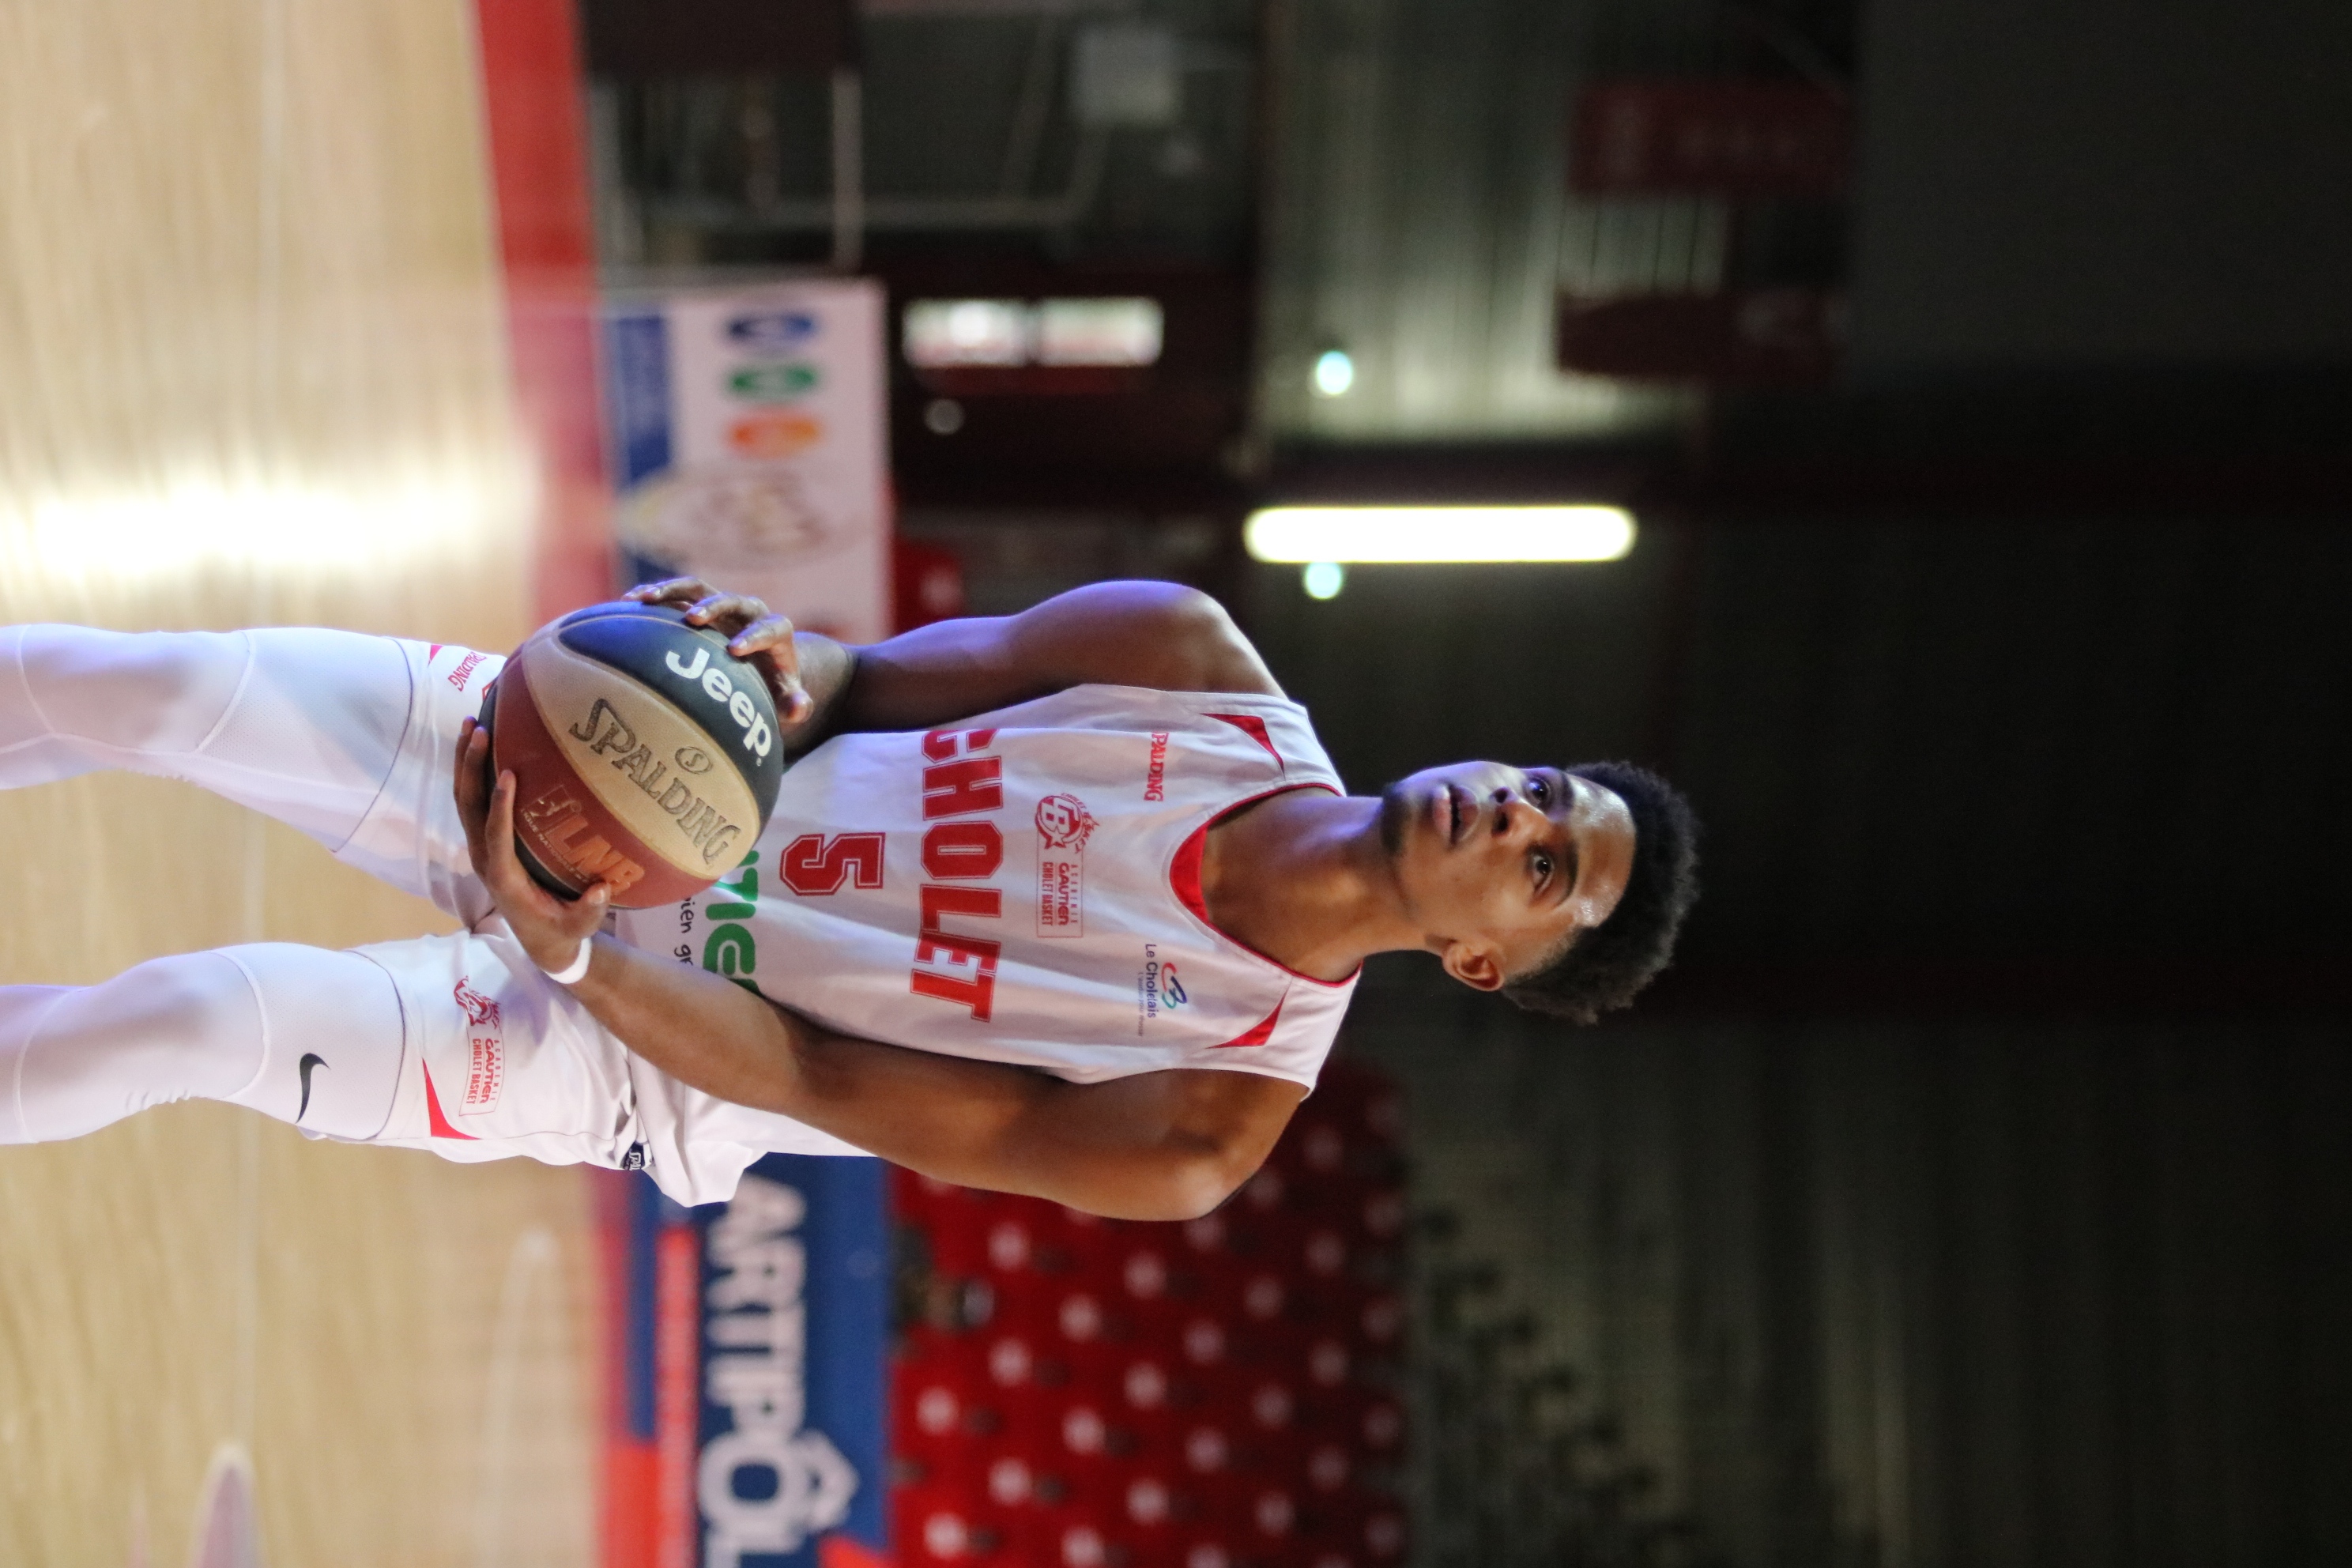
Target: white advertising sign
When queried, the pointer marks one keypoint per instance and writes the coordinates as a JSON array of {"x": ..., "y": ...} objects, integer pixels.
[{"x": 750, "y": 434}]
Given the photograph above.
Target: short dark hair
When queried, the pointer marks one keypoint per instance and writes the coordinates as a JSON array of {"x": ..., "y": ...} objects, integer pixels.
[{"x": 1604, "y": 966}]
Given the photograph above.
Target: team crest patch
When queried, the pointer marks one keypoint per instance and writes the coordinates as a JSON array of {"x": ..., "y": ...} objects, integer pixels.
[
  {"x": 487, "y": 1073},
  {"x": 1064, "y": 824}
]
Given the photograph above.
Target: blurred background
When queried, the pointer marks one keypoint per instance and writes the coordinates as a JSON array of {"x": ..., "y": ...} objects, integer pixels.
[{"x": 1977, "y": 1189}]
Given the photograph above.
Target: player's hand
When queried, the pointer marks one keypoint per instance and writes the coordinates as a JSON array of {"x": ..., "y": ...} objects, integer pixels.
[
  {"x": 753, "y": 632},
  {"x": 550, "y": 929}
]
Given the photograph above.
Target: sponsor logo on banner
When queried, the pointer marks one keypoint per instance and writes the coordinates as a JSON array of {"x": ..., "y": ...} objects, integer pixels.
[
  {"x": 762, "y": 511},
  {"x": 775, "y": 434},
  {"x": 773, "y": 383},
  {"x": 485, "y": 1033},
  {"x": 770, "y": 1481},
  {"x": 1063, "y": 826},
  {"x": 1159, "y": 988},
  {"x": 774, "y": 328},
  {"x": 749, "y": 429},
  {"x": 751, "y": 1347}
]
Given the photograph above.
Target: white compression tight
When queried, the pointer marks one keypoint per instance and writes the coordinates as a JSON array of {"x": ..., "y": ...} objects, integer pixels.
[
  {"x": 303, "y": 725},
  {"x": 299, "y": 723},
  {"x": 301, "y": 1034}
]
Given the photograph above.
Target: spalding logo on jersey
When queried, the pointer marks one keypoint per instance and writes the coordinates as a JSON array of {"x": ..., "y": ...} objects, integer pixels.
[{"x": 649, "y": 755}]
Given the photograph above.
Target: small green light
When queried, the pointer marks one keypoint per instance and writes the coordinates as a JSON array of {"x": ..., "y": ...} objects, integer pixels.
[{"x": 1324, "y": 579}]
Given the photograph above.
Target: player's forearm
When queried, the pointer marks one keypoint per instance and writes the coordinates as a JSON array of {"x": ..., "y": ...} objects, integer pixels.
[
  {"x": 1135, "y": 1147},
  {"x": 694, "y": 1026},
  {"x": 1127, "y": 1150}
]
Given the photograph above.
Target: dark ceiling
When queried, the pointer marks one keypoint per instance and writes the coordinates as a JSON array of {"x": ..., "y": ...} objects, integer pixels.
[{"x": 2059, "y": 757}]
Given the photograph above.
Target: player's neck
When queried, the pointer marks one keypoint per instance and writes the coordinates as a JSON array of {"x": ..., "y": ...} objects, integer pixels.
[{"x": 1301, "y": 877}]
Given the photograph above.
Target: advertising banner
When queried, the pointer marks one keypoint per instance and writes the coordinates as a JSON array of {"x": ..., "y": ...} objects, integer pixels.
[
  {"x": 752, "y": 1375},
  {"x": 1742, "y": 337},
  {"x": 750, "y": 447},
  {"x": 1746, "y": 140}
]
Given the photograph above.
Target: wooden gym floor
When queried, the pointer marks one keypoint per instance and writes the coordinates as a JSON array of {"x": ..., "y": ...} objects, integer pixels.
[{"x": 254, "y": 369}]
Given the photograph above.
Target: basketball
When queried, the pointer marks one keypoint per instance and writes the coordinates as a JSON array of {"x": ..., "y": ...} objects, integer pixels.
[{"x": 645, "y": 754}]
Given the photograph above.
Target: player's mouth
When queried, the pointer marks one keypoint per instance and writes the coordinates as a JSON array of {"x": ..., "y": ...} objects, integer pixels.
[{"x": 1451, "y": 812}]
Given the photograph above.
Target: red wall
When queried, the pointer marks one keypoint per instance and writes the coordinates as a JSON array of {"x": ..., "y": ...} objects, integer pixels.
[{"x": 537, "y": 115}]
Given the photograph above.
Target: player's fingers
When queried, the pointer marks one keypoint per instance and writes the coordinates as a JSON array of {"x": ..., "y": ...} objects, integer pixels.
[
  {"x": 509, "y": 882},
  {"x": 527, "y": 906},
  {"x": 497, "y": 864},
  {"x": 473, "y": 754},
  {"x": 771, "y": 633},
  {"x": 768, "y": 643},
  {"x": 729, "y": 613},
  {"x": 670, "y": 591},
  {"x": 793, "y": 703}
]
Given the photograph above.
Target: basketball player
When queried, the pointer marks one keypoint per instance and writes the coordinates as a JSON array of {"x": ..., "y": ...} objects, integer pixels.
[{"x": 1068, "y": 903}]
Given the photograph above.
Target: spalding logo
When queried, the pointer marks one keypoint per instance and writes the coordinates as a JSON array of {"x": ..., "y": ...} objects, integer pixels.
[
  {"x": 607, "y": 731},
  {"x": 757, "y": 737}
]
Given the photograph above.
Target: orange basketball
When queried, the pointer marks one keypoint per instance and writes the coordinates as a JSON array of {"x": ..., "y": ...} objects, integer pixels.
[{"x": 645, "y": 754}]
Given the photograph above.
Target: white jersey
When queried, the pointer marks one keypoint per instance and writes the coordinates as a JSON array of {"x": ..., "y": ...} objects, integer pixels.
[{"x": 1023, "y": 886}]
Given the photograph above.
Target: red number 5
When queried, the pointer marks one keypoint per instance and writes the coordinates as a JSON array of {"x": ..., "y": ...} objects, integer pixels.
[{"x": 814, "y": 865}]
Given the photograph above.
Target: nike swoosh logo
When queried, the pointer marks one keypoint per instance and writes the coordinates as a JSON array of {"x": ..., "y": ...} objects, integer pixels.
[{"x": 306, "y": 1064}]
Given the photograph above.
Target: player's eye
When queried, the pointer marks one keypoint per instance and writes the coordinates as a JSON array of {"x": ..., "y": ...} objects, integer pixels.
[
  {"x": 1539, "y": 791},
  {"x": 1542, "y": 863}
]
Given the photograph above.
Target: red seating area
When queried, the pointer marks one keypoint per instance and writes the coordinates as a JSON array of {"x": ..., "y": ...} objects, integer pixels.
[{"x": 1093, "y": 1393}]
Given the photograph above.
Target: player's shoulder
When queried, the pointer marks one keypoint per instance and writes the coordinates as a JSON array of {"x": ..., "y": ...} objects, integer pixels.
[
  {"x": 1207, "y": 651},
  {"x": 1164, "y": 635}
]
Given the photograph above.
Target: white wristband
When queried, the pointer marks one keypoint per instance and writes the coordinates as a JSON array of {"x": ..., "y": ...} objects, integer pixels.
[{"x": 574, "y": 973}]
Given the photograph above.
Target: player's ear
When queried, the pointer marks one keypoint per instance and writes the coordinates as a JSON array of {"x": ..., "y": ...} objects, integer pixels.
[{"x": 1472, "y": 965}]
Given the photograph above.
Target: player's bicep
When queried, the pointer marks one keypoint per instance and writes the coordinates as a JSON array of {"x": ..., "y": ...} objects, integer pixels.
[
  {"x": 1254, "y": 1110},
  {"x": 1160, "y": 635},
  {"x": 1232, "y": 1119},
  {"x": 1162, "y": 1145}
]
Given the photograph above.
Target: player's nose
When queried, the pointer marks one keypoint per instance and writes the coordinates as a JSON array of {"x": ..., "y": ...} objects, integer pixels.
[{"x": 1515, "y": 814}]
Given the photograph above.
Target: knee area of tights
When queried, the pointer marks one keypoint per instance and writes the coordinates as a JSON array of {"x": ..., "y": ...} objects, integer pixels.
[
  {"x": 148, "y": 690},
  {"x": 195, "y": 999}
]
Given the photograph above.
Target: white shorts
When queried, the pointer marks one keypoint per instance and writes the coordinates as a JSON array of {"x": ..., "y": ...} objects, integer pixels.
[{"x": 500, "y": 1060}]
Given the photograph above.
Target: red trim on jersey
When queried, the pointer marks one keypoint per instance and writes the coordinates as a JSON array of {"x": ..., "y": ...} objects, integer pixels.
[
  {"x": 1184, "y": 873},
  {"x": 438, "y": 1123},
  {"x": 1184, "y": 881},
  {"x": 1258, "y": 1035},
  {"x": 433, "y": 652},
  {"x": 1253, "y": 726}
]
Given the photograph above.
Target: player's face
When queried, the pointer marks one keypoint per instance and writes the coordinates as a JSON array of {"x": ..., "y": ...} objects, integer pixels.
[{"x": 1499, "y": 866}]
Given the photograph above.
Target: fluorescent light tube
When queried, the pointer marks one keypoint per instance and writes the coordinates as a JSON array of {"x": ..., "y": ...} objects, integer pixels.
[{"x": 1349, "y": 534}]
